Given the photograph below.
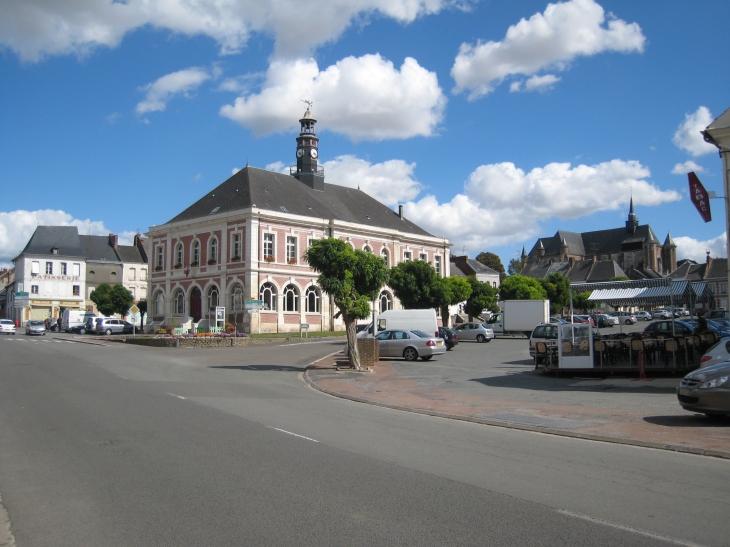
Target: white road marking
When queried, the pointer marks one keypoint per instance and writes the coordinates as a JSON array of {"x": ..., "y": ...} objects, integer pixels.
[
  {"x": 173, "y": 395},
  {"x": 290, "y": 433},
  {"x": 629, "y": 529}
]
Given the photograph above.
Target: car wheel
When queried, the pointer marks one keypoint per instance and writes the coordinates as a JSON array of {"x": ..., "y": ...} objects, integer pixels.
[
  {"x": 108, "y": 332},
  {"x": 82, "y": 331},
  {"x": 628, "y": 321},
  {"x": 480, "y": 338},
  {"x": 426, "y": 358},
  {"x": 487, "y": 340},
  {"x": 410, "y": 354}
]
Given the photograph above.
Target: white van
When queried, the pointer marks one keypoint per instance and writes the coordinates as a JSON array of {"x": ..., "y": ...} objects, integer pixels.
[
  {"x": 424, "y": 320},
  {"x": 74, "y": 318}
]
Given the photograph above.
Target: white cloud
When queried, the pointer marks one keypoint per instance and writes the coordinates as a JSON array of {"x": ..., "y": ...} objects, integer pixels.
[
  {"x": 34, "y": 29},
  {"x": 364, "y": 98},
  {"x": 16, "y": 228},
  {"x": 688, "y": 247},
  {"x": 159, "y": 92},
  {"x": 686, "y": 167},
  {"x": 688, "y": 136},
  {"x": 548, "y": 40},
  {"x": 501, "y": 204},
  {"x": 390, "y": 182},
  {"x": 535, "y": 83}
]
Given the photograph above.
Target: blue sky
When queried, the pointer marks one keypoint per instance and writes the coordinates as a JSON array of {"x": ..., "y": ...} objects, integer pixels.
[{"x": 493, "y": 123}]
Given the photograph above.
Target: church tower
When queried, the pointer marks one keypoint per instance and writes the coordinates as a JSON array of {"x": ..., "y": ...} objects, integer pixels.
[
  {"x": 669, "y": 255},
  {"x": 307, "y": 170}
]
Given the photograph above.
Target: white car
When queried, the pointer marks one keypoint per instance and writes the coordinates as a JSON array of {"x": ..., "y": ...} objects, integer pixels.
[
  {"x": 718, "y": 353},
  {"x": 643, "y": 316},
  {"x": 7, "y": 326}
]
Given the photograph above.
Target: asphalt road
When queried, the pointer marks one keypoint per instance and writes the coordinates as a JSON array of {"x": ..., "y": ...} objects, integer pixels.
[{"x": 111, "y": 445}]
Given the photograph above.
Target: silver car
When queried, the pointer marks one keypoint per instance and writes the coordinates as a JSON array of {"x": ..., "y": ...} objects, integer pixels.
[
  {"x": 35, "y": 327},
  {"x": 643, "y": 315},
  {"x": 706, "y": 390},
  {"x": 719, "y": 353},
  {"x": 409, "y": 344},
  {"x": 481, "y": 332},
  {"x": 110, "y": 326}
]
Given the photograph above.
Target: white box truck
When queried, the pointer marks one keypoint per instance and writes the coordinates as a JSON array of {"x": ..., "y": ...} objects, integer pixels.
[
  {"x": 519, "y": 317},
  {"x": 423, "y": 320},
  {"x": 74, "y": 318}
]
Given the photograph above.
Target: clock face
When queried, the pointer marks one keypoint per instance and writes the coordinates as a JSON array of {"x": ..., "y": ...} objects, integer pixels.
[
  {"x": 300, "y": 153},
  {"x": 314, "y": 152}
]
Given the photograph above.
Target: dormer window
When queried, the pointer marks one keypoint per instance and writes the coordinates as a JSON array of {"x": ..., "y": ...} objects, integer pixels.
[{"x": 54, "y": 251}]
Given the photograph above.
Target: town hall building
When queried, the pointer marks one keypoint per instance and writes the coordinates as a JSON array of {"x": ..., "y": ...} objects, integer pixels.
[{"x": 245, "y": 240}]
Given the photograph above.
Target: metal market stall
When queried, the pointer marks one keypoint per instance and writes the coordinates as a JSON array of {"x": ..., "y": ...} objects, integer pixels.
[{"x": 578, "y": 347}]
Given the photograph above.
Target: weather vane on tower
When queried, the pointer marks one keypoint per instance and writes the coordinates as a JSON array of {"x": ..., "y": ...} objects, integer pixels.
[{"x": 308, "y": 102}]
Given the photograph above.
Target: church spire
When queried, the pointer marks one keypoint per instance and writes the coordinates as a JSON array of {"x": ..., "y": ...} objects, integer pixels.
[
  {"x": 632, "y": 223},
  {"x": 307, "y": 170}
]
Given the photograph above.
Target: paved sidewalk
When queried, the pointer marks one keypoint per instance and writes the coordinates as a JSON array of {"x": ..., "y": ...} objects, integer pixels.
[{"x": 383, "y": 386}]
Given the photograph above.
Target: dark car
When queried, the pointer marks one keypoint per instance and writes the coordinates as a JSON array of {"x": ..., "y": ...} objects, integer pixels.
[
  {"x": 664, "y": 328},
  {"x": 717, "y": 327},
  {"x": 706, "y": 390},
  {"x": 602, "y": 320},
  {"x": 449, "y": 336},
  {"x": 51, "y": 324},
  {"x": 78, "y": 329}
]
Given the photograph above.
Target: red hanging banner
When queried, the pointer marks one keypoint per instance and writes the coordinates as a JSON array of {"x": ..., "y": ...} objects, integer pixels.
[{"x": 699, "y": 197}]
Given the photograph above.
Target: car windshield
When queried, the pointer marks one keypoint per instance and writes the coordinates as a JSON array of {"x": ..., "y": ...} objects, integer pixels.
[
  {"x": 420, "y": 334},
  {"x": 35, "y": 323}
]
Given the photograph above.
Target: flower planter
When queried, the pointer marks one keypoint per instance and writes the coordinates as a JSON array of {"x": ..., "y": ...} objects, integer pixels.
[
  {"x": 212, "y": 261},
  {"x": 196, "y": 263}
]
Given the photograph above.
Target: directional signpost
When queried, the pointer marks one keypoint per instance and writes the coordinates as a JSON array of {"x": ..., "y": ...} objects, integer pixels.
[
  {"x": 22, "y": 299},
  {"x": 254, "y": 304}
]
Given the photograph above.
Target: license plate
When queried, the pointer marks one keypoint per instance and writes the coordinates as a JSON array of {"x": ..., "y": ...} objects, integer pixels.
[
  {"x": 440, "y": 343},
  {"x": 683, "y": 391}
]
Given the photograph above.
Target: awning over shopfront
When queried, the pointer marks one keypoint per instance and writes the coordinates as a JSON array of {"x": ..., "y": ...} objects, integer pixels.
[{"x": 648, "y": 292}]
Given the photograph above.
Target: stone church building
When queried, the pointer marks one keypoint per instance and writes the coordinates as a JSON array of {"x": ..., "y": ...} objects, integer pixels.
[
  {"x": 244, "y": 240},
  {"x": 633, "y": 251}
]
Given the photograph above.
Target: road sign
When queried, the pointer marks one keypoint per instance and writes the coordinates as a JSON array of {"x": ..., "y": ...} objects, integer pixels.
[
  {"x": 133, "y": 309},
  {"x": 698, "y": 196},
  {"x": 21, "y": 294},
  {"x": 254, "y": 304},
  {"x": 22, "y": 302}
]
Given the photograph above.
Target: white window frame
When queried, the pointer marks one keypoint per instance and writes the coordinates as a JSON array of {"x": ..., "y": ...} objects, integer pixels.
[
  {"x": 159, "y": 256},
  {"x": 292, "y": 291},
  {"x": 195, "y": 252},
  {"x": 269, "y": 246},
  {"x": 291, "y": 249},
  {"x": 35, "y": 267},
  {"x": 178, "y": 254},
  {"x": 143, "y": 274},
  {"x": 268, "y": 293},
  {"x": 236, "y": 248},
  {"x": 35, "y": 289},
  {"x": 213, "y": 249},
  {"x": 312, "y": 300},
  {"x": 407, "y": 255},
  {"x": 63, "y": 269},
  {"x": 49, "y": 268},
  {"x": 423, "y": 257},
  {"x": 437, "y": 264},
  {"x": 77, "y": 269}
]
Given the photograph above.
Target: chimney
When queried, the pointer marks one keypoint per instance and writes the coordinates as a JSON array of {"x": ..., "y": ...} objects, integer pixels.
[
  {"x": 113, "y": 240},
  {"x": 709, "y": 263},
  {"x": 139, "y": 242},
  {"x": 400, "y": 211}
]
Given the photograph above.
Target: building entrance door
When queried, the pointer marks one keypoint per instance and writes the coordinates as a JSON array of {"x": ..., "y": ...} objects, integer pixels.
[{"x": 196, "y": 305}]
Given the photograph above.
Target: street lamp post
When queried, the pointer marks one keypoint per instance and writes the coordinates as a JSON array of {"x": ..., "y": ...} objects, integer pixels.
[{"x": 718, "y": 133}]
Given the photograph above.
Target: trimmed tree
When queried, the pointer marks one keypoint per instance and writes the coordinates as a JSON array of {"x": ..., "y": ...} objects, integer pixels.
[
  {"x": 453, "y": 290},
  {"x": 112, "y": 299},
  {"x": 416, "y": 285},
  {"x": 481, "y": 298},
  {"x": 492, "y": 261},
  {"x": 580, "y": 300},
  {"x": 353, "y": 278},
  {"x": 520, "y": 287},
  {"x": 557, "y": 288}
]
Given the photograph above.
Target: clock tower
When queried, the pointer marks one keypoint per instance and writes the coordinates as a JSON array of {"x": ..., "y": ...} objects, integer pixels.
[{"x": 307, "y": 170}]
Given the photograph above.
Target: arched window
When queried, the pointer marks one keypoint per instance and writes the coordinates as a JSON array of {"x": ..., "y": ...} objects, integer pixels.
[
  {"x": 268, "y": 295},
  {"x": 179, "y": 300},
  {"x": 179, "y": 254},
  {"x": 367, "y": 249},
  {"x": 386, "y": 301},
  {"x": 213, "y": 250},
  {"x": 237, "y": 298},
  {"x": 311, "y": 300},
  {"x": 291, "y": 298},
  {"x": 385, "y": 256},
  {"x": 196, "y": 253},
  {"x": 212, "y": 298},
  {"x": 160, "y": 303}
]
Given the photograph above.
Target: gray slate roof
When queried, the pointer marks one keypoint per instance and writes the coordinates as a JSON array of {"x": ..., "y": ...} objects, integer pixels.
[
  {"x": 130, "y": 253},
  {"x": 98, "y": 248},
  {"x": 45, "y": 238},
  {"x": 253, "y": 187}
]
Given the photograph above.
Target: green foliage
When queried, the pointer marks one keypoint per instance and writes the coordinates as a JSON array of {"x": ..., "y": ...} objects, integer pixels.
[
  {"x": 416, "y": 285},
  {"x": 452, "y": 290},
  {"x": 619, "y": 278},
  {"x": 580, "y": 300},
  {"x": 514, "y": 267},
  {"x": 142, "y": 305},
  {"x": 519, "y": 287},
  {"x": 352, "y": 277},
  {"x": 557, "y": 288},
  {"x": 112, "y": 299},
  {"x": 493, "y": 261},
  {"x": 481, "y": 298}
]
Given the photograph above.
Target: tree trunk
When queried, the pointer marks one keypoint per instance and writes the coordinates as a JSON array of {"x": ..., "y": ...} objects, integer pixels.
[
  {"x": 351, "y": 329},
  {"x": 445, "y": 318}
]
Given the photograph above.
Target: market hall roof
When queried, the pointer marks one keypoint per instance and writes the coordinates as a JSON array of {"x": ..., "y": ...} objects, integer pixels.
[{"x": 257, "y": 188}]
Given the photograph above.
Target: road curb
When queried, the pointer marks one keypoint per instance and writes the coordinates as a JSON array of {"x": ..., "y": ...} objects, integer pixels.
[{"x": 524, "y": 427}]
